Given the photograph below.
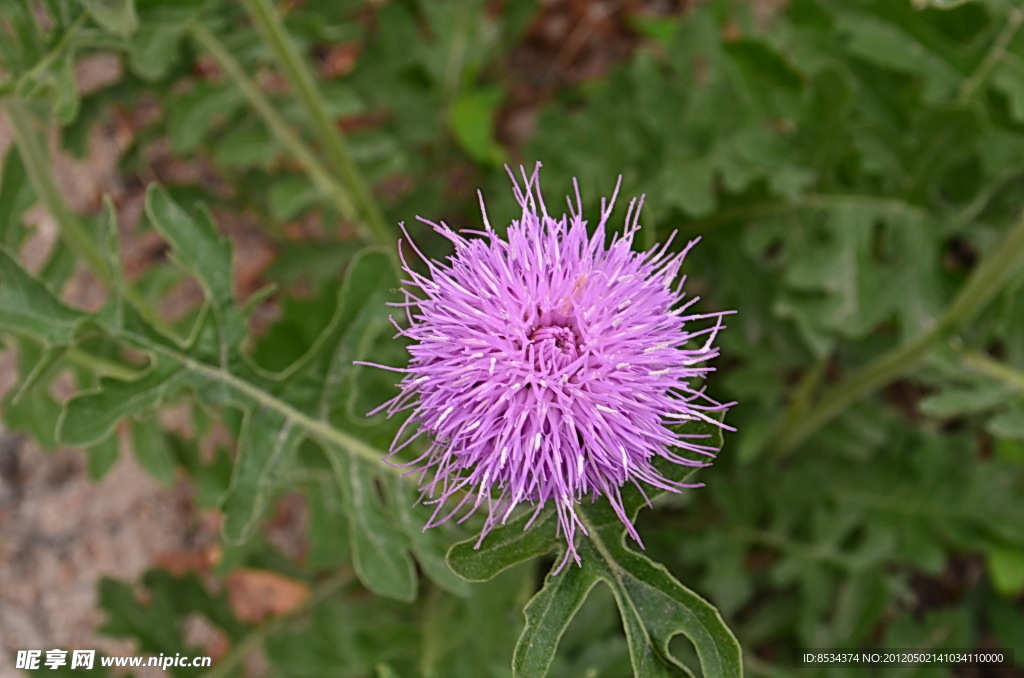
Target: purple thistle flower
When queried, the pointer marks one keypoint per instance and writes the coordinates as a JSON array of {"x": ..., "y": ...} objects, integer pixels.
[{"x": 550, "y": 366}]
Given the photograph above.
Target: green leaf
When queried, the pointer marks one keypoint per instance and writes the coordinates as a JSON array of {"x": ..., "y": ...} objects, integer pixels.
[
  {"x": 654, "y": 606},
  {"x": 887, "y": 44},
  {"x": 153, "y": 450},
  {"x": 266, "y": 443},
  {"x": 116, "y": 16},
  {"x": 426, "y": 545},
  {"x": 1009, "y": 424},
  {"x": 290, "y": 196},
  {"x": 1006, "y": 568},
  {"x": 101, "y": 457},
  {"x": 27, "y": 307},
  {"x": 959, "y": 401},
  {"x": 53, "y": 81},
  {"x": 547, "y": 617},
  {"x": 472, "y": 122},
  {"x": 328, "y": 526},
  {"x": 156, "y": 623},
  {"x": 15, "y": 196},
  {"x": 197, "y": 245},
  {"x": 153, "y": 50},
  {"x": 191, "y": 117},
  {"x": 504, "y": 546},
  {"x": 90, "y": 416},
  {"x": 201, "y": 250},
  {"x": 379, "y": 552}
]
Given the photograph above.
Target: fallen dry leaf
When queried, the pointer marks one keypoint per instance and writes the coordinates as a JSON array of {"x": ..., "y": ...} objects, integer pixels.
[{"x": 255, "y": 595}]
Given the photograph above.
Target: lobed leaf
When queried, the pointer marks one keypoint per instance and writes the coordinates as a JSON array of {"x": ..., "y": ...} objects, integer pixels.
[
  {"x": 506, "y": 545},
  {"x": 266, "y": 442},
  {"x": 116, "y": 16},
  {"x": 379, "y": 552},
  {"x": 90, "y": 416},
  {"x": 27, "y": 307}
]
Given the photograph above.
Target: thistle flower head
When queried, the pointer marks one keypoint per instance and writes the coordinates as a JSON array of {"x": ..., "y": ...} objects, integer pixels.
[{"x": 550, "y": 366}]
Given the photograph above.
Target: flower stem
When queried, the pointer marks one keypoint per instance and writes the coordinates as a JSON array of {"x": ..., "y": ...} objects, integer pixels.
[
  {"x": 320, "y": 175},
  {"x": 37, "y": 165},
  {"x": 987, "y": 279},
  {"x": 992, "y": 57},
  {"x": 299, "y": 75}
]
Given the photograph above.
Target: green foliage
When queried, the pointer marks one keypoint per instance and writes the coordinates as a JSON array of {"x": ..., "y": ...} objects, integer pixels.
[
  {"x": 654, "y": 606},
  {"x": 854, "y": 170}
]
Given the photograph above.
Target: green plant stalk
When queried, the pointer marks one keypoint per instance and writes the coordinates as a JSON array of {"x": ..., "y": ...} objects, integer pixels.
[
  {"x": 992, "y": 57},
  {"x": 278, "y": 126},
  {"x": 319, "y": 429},
  {"x": 37, "y": 165},
  {"x": 297, "y": 72},
  {"x": 987, "y": 279},
  {"x": 58, "y": 49}
]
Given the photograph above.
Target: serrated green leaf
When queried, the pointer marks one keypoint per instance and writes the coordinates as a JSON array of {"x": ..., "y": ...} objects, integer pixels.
[
  {"x": 116, "y": 16},
  {"x": 192, "y": 116},
  {"x": 290, "y": 196},
  {"x": 1009, "y": 424},
  {"x": 472, "y": 121},
  {"x": 887, "y": 44},
  {"x": 266, "y": 443},
  {"x": 27, "y": 307},
  {"x": 101, "y": 457},
  {"x": 153, "y": 450},
  {"x": 655, "y": 607},
  {"x": 153, "y": 50},
  {"x": 503, "y": 547},
  {"x": 426, "y": 545},
  {"x": 959, "y": 401},
  {"x": 1006, "y": 568},
  {"x": 547, "y": 616},
  {"x": 90, "y": 416},
  {"x": 379, "y": 550},
  {"x": 14, "y": 198},
  {"x": 196, "y": 242},
  {"x": 328, "y": 526},
  {"x": 201, "y": 250}
]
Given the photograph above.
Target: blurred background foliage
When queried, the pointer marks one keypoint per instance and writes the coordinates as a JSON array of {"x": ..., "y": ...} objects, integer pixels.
[{"x": 855, "y": 170}]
